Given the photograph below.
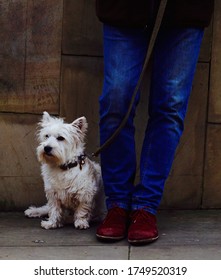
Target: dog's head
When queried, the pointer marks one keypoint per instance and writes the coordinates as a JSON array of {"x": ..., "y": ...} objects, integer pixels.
[{"x": 60, "y": 142}]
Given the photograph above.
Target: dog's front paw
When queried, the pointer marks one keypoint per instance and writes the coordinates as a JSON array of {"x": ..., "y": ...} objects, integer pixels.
[
  {"x": 32, "y": 212},
  {"x": 50, "y": 224},
  {"x": 81, "y": 224}
]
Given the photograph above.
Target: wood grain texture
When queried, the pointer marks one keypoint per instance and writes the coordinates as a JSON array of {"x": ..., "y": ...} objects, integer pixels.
[
  {"x": 215, "y": 80},
  {"x": 12, "y": 52},
  {"x": 212, "y": 174},
  {"x": 20, "y": 179},
  {"x": 81, "y": 87},
  {"x": 30, "y": 55},
  {"x": 82, "y": 32}
]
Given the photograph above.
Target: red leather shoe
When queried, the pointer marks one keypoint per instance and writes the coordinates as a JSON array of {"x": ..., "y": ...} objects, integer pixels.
[
  {"x": 143, "y": 228},
  {"x": 114, "y": 226}
]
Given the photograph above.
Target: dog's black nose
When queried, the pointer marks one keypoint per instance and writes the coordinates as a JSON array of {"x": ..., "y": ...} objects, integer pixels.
[{"x": 47, "y": 149}]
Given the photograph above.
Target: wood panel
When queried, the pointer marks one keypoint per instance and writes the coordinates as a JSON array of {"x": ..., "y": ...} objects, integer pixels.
[
  {"x": 20, "y": 180},
  {"x": 12, "y": 52},
  {"x": 82, "y": 32},
  {"x": 31, "y": 55},
  {"x": 205, "y": 51},
  {"x": 81, "y": 86},
  {"x": 212, "y": 175},
  {"x": 215, "y": 81},
  {"x": 44, "y": 25}
]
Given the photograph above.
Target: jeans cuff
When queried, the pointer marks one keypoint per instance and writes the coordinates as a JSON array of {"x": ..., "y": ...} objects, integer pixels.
[
  {"x": 118, "y": 204},
  {"x": 146, "y": 208}
]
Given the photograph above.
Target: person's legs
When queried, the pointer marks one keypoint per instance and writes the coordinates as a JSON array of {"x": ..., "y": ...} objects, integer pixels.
[
  {"x": 124, "y": 53},
  {"x": 175, "y": 57},
  {"x": 174, "y": 63}
]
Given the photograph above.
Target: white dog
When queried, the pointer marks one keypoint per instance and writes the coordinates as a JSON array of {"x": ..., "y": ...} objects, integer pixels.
[{"x": 71, "y": 179}]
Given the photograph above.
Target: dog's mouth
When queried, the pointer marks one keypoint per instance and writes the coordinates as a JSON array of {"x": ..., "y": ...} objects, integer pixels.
[{"x": 48, "y": 154}]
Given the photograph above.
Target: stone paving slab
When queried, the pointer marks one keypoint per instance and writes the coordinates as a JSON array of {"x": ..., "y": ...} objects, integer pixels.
[
  {"x": 183, "y": 235},
  {"x": 17, "y": 230},
  {"x": 65, "y": 253},
  {"x": 182, "y": 252}
]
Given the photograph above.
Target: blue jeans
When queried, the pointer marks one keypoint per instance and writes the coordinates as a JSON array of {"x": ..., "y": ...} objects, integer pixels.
[{"x": 174, "y": 62}]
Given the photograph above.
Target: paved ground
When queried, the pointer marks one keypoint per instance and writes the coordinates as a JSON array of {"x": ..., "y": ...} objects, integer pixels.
[{"x": 183, "y": 235}]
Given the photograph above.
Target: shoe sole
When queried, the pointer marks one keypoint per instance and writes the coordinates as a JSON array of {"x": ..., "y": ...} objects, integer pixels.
[
  {"x": 142, "y": 241},
  {"x": 109, "y": 238}
]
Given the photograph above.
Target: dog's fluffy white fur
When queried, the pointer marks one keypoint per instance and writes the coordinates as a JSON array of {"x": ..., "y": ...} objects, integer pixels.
[{"x": 61, "y": 147}]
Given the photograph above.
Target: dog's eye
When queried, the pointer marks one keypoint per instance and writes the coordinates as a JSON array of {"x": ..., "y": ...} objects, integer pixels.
[
  {"x": 46, "y": 136},
  {"x": 60, "y": 138}
]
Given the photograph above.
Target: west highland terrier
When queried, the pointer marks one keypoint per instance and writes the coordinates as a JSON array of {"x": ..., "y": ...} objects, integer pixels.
[{"x": 71, "y": 179}]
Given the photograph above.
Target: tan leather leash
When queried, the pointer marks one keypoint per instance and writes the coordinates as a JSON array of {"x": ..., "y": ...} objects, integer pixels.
[{"x": 155, "y": 31}]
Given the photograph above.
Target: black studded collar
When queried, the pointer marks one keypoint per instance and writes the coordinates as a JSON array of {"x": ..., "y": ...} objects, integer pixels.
[{"x": 68, "y": 165}]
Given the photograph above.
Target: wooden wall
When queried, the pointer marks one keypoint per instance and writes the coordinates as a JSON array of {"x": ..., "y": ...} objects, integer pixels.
[
  {"x": 212, "y": 175},
  {"x": 51, "y": 59},
  {"x": 30, "y": 62}
]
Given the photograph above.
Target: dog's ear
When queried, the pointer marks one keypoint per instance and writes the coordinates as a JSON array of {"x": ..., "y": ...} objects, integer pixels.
[
  {"x": 46, "y": 117},
  {"x": 81, "y": 123}
]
